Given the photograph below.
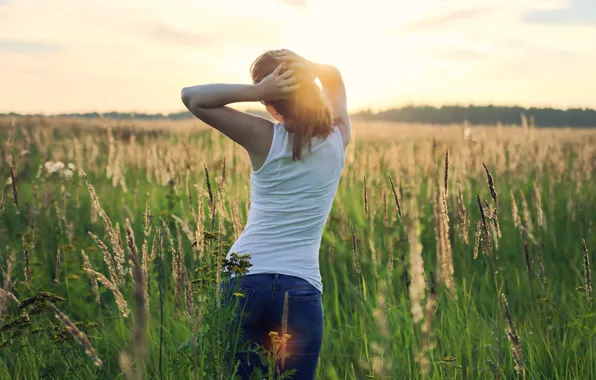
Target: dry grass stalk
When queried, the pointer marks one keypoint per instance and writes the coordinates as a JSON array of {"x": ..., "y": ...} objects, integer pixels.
[
  {"x": 119, "y": 256},
  {"x": 115, "y": 239},
  {"x": 365, "y": 198},
  {"x": 463, "y": 222},
  {"x": 61, "y": 220},
  {"x": 154, "y": 247},
  {"x": 126, "y": 366},
  {"x": 140, "y": 302},
  {"x": 107, "y": 257},
  {"x": 212, "y": 201},
  {"x": 57, "y": 279},
  {"x": 188, "y": 192},
  {"x": 27, "y": 267},
  {"x": 428, "y": 342},
  {"x": 527, "y": 217},
  {"x": 236, "y": 223},
  {"x": 145, "y": 271},
  {"x": 587, "y": 280},
  {"x": 446, "y": 173},
  {"x": 541, "y": 272},
  {"x": 417, "y": 285},
  {"x": 187, "y": 295},
  {"x": 200, "y": 229},
  {"x": 354, "y": 249},
  {"x": 3, "y": 201},
  {"x": 385, "y": 211},
  {"x": 122, "y": 305},
  {"x": 380, "y": 366},
  {"x": 185, "y": 227},
  {"x": 444, "y": 252},
  {"x": 486, "y": 240},
  {"x": 94, "y": 287},
  {"x": 491, "y": 184},
  {"x": 176, "y": 271},
  {"x": 6, "y": 295},
  {"x": 539, "y": 211},
  {"x": 528, "y": 259},
  {"x": 515, "y": 212},
  {"x": 496, "y": 224},
  {"x": 219, "y": 263},
  {"x": 10, "y": 260},
  {"x": 79, "y": 336},
  {"x": 399, "y": 213},
  {"x": 516, "y": 350},
  {"x": 13, "y": 182},
  {"x": 147, "y": 217}
]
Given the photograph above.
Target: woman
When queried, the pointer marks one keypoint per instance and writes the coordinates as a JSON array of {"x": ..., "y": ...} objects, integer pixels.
[{"x": 297, "y": 163}]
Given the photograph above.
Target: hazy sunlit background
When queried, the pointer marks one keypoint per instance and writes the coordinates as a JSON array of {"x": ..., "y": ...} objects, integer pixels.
[{"x": 113, "y": 55}]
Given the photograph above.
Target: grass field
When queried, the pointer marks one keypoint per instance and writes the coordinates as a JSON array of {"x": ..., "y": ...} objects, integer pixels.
[{"x": 430, "y": 270}]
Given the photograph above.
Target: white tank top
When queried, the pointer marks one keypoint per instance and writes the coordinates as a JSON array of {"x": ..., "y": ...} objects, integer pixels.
[{"x": 290, "y": 203}]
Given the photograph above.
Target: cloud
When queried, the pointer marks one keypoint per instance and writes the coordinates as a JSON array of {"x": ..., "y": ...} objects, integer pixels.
[
  {"x": 578, "y": 12},
  {"x": 26, "y": 47}
]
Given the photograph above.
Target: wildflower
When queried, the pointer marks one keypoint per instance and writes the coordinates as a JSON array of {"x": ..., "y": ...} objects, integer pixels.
[
  {"x": 67, "y": 173},
  {"x": 239, "y": 295}
]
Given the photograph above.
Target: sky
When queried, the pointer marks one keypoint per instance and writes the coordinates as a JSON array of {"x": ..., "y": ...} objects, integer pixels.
[{"x": 135, "y": 56}]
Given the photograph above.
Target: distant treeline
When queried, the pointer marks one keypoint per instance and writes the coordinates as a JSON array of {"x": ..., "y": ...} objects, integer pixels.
[
  {"x": 485, "y": 115},
  {"x": 479, "y": 115}
]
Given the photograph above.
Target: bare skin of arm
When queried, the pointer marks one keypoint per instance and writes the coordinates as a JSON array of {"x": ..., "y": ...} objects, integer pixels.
[
  {"x": 209, "y": 103},
  {"x": 333, "y": 88}
]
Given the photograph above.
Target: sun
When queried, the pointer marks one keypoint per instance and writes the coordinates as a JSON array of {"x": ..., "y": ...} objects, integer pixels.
[{"x": 359, "y": 40}]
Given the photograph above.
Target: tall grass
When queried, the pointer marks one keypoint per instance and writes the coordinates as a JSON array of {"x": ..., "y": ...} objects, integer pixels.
[{"x": 163, "y": 309}]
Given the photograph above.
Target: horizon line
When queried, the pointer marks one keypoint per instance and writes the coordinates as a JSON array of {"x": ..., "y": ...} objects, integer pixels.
[{"x": 357, "y": 111}]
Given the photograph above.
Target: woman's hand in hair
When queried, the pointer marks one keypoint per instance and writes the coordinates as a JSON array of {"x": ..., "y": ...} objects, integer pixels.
[
  {"x": 304, "y": 68},
  {"x": 278, "y": 85}
]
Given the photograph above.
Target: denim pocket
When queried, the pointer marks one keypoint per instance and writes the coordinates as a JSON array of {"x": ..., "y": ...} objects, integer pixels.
[
  {"x": 305, "y": 318},
  {"x": 303, "y": 293}
]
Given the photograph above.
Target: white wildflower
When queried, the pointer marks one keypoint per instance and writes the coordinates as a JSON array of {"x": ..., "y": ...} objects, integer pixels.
[{"x": 67, "y": 173}]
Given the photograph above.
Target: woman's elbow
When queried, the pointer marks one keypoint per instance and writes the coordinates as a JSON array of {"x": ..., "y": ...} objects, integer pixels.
[{"x": 186, "y": 97}]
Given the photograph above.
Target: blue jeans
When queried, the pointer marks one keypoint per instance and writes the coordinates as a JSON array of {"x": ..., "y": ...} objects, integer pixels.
[{"x": 260, "y": 312}]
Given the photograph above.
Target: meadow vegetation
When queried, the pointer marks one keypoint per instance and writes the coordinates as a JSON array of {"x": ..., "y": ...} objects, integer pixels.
[{"x": 451, "y": 252}]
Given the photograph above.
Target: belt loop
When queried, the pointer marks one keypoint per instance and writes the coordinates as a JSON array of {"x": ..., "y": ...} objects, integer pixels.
[{"x": 276, "y": 277}]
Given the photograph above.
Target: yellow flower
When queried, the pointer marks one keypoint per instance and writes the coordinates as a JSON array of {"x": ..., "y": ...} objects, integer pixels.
[
  {"x": 242, "y": 295},
  {"x": 273, "y": 334}
]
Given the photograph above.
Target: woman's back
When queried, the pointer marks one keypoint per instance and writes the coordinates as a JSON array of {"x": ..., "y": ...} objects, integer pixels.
[{"x": 290, "y": 203}]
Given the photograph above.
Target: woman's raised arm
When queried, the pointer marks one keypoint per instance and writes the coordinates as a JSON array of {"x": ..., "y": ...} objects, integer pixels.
[{"x": 208, "y": 103}]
